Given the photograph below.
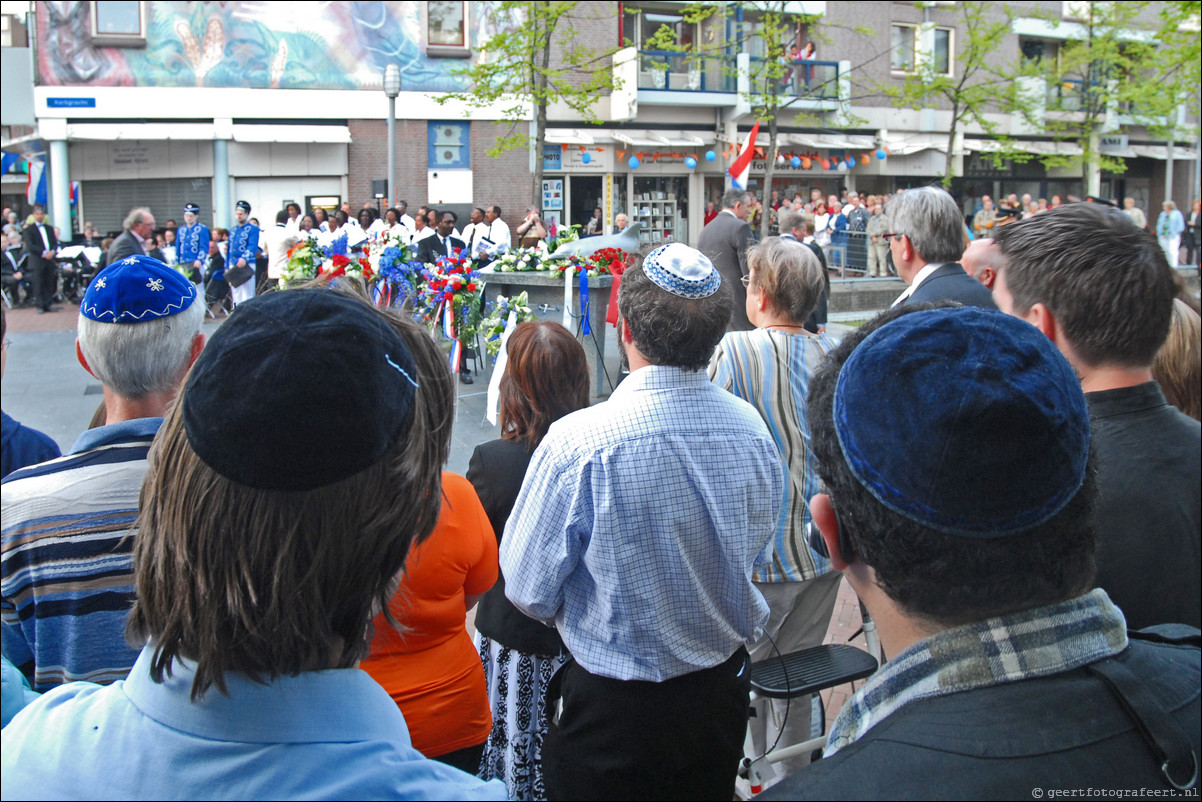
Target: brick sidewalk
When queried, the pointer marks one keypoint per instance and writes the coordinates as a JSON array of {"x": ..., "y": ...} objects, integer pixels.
[
  {"x": 26, "y": 320},
  {"x": 845, "y": 621}
]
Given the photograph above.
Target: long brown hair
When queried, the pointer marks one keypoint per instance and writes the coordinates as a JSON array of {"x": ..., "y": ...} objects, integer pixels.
[
  {"x": 546, "y": 378},
  {"x": 268, "y": 583}
]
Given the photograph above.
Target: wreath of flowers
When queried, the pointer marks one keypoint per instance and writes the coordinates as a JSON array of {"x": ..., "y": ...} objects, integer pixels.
[
  {"x": 493, "y": 326},
  {"x": 452, "y": 282}
]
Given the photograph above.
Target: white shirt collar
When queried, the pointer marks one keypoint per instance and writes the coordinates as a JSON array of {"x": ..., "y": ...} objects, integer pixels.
[{"x": 919, "y": 277}]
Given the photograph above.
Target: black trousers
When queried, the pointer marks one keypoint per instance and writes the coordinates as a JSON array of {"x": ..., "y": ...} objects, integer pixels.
[
  {"x": 679, "y": 739},
  {"x": 43, "y": 280}
]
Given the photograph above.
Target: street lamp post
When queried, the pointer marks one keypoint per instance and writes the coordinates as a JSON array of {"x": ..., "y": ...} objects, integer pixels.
[{"x": 392, "y": 88}]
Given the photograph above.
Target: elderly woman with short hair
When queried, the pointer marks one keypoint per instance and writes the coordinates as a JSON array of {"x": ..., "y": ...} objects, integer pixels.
[{"x": 770, "y": 367}]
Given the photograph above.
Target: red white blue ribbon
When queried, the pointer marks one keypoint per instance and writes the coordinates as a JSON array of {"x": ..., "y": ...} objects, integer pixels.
[{"x": 448, "y": 330}]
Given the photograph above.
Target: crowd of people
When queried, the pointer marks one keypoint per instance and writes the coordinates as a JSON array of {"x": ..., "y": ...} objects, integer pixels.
[{"x": 218, "y": 597}]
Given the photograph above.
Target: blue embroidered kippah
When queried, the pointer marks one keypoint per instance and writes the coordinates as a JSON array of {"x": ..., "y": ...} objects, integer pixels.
[
  {"x": 682, "y": 271},
  {"x": 191, "y": 207},
  {"x": 243, "y": 205},
  {"x": 965, "y": 420},
  {"x": 308, "y": 359},
  {"x": 136, "y": 289}
]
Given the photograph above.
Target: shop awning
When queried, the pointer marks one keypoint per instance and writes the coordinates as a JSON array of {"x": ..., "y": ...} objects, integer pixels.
[
  {"x": 632, "y": 138},
  {"x": 906, "y": 145},
  {"x": 832, "y": 141},
  {"x": 308, "y": 134},
  {"x": 1161, "y": 152}
]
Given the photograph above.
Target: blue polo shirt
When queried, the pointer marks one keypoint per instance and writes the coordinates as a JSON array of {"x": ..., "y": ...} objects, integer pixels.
[{"x": 320, "y": 735}]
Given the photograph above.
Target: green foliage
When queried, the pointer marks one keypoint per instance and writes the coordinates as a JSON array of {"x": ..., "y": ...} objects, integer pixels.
[
  {"x": 516, "y": 63},
  {"x": 974, "y": 88},
  {"x": 1122, "y": 70}
]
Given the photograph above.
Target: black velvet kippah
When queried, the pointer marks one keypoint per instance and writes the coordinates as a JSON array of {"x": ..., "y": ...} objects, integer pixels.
[
  {"x": 298, "y": 390},
  {"x": 965, "y": 420}
]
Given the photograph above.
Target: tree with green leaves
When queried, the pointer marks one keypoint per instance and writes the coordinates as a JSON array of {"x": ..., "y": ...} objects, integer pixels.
[
  {"x": 973, "y": 85},
  {"x": 533, "y": 61},
  {"x": 1109, "y": 74}
]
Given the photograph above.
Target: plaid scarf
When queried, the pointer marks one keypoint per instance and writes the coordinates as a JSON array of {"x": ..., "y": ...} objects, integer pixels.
[{"x": 1033, "y": 643}]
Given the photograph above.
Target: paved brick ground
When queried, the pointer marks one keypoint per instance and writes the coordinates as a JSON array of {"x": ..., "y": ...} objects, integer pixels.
[
  {"x": 24, "y": 320},
  {"x": 845, "y": 622}
]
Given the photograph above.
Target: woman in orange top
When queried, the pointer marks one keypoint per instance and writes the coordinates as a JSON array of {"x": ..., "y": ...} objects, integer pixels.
[{"x": 433, "y": 670}]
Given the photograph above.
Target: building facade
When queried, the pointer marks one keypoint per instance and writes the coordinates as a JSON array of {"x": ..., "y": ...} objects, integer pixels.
[{"x": 160, "y": 102}]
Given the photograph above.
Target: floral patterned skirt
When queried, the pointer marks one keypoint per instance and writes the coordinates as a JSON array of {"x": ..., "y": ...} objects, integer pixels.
[{"x": 517, "y": 692}]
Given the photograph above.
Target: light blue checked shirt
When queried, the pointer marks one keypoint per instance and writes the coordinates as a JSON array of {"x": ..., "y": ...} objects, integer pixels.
[{"x": 639, "y": 525}]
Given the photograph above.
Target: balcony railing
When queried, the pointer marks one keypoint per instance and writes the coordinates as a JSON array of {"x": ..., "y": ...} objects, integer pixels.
[
  {"x": 818, "y": 80},
  {"x": 686, "y": 72}
]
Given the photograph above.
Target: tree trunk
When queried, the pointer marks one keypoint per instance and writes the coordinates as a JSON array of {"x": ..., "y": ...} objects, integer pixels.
[
  {"x": 540, "y": 113},
  {"x": 949, "y": 172},
  {"x": 768, "y": 173}
]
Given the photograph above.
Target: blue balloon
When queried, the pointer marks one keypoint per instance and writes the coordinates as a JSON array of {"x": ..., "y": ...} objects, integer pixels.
[
  {"x": 796, "y": 161},
  {"x": 710, "y": 155},
  {"x": 690, "y": 162},
  {"x": 634, "y": 162},
  {"x": 586, "y": 158},
  {"x": 880, "y": 153}
]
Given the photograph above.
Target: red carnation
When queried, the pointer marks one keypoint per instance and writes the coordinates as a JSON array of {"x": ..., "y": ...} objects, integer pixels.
[{"x": 471, "y": 286}]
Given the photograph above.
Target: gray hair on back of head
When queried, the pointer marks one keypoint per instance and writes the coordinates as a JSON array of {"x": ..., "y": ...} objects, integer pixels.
[
  {"x": 135, "y": 360},
  {"x": 734, "y": 196},
  {"x": 135, "y": 217},
  {"x": 932, "y": 220}
]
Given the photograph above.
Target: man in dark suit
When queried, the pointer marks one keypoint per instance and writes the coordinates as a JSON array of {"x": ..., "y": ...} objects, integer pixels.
[
  {"x": 40, "y": 246},
  {"x": 442, "y": 243},
  {"x": 139, "y": 228},
  {"x": 724, "y": 241},
  {"x": 926, "y": 239}
]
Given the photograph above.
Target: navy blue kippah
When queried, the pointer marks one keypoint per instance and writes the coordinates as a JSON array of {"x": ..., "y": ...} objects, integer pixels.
[
  {"x": 136, "y": 289},
  {"x": 191, "y": 207},
  {"x": 965, "y": 420},
  {"x": 298, "y": 390},
  {"x": 243, "y": 205}
]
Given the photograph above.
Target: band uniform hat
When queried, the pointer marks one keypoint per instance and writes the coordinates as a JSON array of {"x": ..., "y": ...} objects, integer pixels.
[
  {"x": 192, "y": 207},
  {"x": 243, "y": 205},
  {"x": 136, "y": 289},
  {"x": 986, "y": 432},
  {"x": 311, "y": 358},
  {"x": 682, "y": 271}
]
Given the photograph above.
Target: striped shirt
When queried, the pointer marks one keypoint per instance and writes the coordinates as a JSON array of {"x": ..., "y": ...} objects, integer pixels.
[
  {"x": 772, "y": 370},
  {"x": 639, "y": 524},
  {"x": 67, "y": 572}
]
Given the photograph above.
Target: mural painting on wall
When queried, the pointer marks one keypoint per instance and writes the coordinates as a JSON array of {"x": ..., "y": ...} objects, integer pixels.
[{"x": 326, "y": 45}]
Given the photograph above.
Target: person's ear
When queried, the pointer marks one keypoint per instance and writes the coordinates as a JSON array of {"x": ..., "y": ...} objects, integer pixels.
[
  {"x": 823, "y": 513},
  {"x": 1042, "y": 318},
  {"x": 198, "y": 345},
  {"x": 82, "y": 360},
  {"x": 627, "y": 337}
]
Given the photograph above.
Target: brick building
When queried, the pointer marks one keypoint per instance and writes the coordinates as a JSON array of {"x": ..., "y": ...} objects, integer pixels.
[{"x": 160, "y": 102}]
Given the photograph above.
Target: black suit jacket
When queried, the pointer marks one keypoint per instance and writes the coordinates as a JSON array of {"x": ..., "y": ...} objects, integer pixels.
[
  {"x": 431, "y": 248},
  {"x": 14, "y": 260},
  {"x": 725, "y": 241},
  {"x": 949, "y": 282},
  {"x": 34, "y": 246}
]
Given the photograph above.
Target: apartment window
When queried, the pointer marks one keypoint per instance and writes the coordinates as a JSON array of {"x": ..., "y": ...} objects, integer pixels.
[
  {"x": 449, "y": 145},
  {"x": 942, "y": 47},
  {"x": 639, "y": 25},
  {"x": 903, "y": 48},
  {"x": 447, "y": 29},
  {"x": 119, "y": 23}
]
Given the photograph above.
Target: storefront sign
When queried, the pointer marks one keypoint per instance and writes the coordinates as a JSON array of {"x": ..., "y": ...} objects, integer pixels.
[
  {"x": 552, "y": 159},
  {"x": 71, "y": 102},
  {"x": 1113, "y": 142}
]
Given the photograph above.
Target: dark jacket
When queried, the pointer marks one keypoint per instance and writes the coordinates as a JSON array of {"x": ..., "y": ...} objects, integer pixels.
[
  {"x": 429, "y": 249},
  {"x": 949, "y": 282},
  {"x": 1068, "y": 730},
  {"x": 725, "y": 242},
  {"x": 496, "y": 470},
  {"x": 125, "y": 245}
]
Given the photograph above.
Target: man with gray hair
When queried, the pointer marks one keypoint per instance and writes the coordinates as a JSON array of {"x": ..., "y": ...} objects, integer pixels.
[
  {"x": 651, "y": 591},
  {"x": 724, "y": 242},
  {"x": 137, "y": 230},
  {"x": 67, "y": 573},
  {"x": 926, "y": 239}
]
